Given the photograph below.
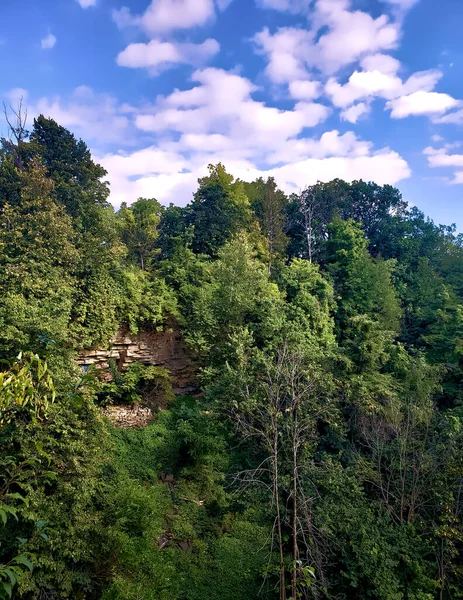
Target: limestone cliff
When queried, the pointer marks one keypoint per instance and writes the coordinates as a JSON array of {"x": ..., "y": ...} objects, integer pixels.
[{"x": 164, "y": 349}]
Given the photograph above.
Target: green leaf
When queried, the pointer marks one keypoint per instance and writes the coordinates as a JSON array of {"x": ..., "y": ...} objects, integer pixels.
[
  {"x": 22, "y": 558},
  {"x": 11, "y": 575}
]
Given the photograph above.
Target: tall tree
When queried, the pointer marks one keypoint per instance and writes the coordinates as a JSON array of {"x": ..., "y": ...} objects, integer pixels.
[
  {"x": 310, "y": 213},
  {"x": 78, "y": 180},
  {"x": 219, "y": 210},
  {"x": 268, "y": 203},
  {"x": 139, "y": 228},
  {"x": 362, "y": 284},
  {"x": 38, "y": 261}
]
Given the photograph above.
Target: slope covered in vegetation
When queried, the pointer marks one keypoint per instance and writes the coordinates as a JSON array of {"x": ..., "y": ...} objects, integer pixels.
[{"x": 322, "y": 458}]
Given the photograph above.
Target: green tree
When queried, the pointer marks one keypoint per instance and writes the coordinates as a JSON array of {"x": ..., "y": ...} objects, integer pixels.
[
  {"x": 219, "y": 210},
  {"x": 239, "y": 305},
  {"x": 363, "y": 284},
  {"x": 38, "y": 259},
  {"x": 78, "y": 180},
  {"x": 139, "y": 228},
  {"x": 268, "y": 203}
]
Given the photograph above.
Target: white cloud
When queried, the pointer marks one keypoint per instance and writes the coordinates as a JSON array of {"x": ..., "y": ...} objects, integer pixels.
[
  {"x": 287, "y": 52},
  {"x": 222, "y": 104},
  {"x": 339, "y": 36},
  {"x": 163, "y": 16},
  {"x": 386, "y": 167},
  {"x": 363, "y": 85},
  {"x": 15, "y": 95},
  {"x": 178, "y": 187},
  {"x": 352, "y": 34},
  {"x": 380, "y": 62},
  {"x": 452, "y": 117},
  {"x": 421, "y": 103},
  {"x": 48, "y": 42},
  {"x": 94, "y": 117},
  {"x": 158, "y": 56},
  {"x": 218, "y": 120},
  {"x": 304, "y": 90},
  {"x": 443, "y": 158},
  {"x": 346, "y": 37},
  {"x": 437, "y": 138},
  {"x": 354, "y": 112},
  {"x": 87, "y": 3},
  {"x": 440, "y": 158}
]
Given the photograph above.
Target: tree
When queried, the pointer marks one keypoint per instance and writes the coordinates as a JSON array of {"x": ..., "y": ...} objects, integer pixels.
[
  {"x": 139, "y": 228},
  {"x": 238, "y": 305},
  {"x": 309, "y": 214},
  {"x": 219, "y": 210},
  {"x": 38, "y": 260},
  {"x": 172, "y": 230},
  {"x": 277, "y": 408},
  {"x": 268, "y": 204},
  {"x": 362, "y": 284},
  {"x": 78, "y": 180}
]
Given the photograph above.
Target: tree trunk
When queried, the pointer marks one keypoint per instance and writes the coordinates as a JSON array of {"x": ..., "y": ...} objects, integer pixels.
[
  {"x": 278, "y": 517},
  {"x": 295, "y": 549}
]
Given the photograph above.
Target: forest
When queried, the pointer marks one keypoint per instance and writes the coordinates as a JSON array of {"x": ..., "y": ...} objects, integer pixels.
[{"x": 320, "y": 455}]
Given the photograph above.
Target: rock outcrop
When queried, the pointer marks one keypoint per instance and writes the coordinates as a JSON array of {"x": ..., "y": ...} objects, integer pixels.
[
  {"x": 128, "y": 416},
  {"x": 160, "y": 348}
]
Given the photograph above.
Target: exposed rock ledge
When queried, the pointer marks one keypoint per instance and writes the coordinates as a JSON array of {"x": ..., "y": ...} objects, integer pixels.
[
  {"x": 128, "y": 416},
  {"x": 163, "y": 349}
]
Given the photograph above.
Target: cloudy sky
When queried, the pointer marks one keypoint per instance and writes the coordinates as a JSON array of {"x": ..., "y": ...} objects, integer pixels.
[{"x": 303, "y": 90}]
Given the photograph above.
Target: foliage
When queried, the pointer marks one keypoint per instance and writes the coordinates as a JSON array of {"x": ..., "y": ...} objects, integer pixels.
[
  {"x": 322, "y": 456},
  {"x": 138, "y": 383}
]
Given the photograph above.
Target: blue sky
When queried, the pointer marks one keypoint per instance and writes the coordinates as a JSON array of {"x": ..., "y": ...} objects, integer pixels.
[{"x": 303, "y": 90}]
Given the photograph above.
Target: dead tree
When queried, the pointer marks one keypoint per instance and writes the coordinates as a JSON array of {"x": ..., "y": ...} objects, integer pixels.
[
  {"x": 281, "y": 413},
  {"x": 16, "y": 119}
]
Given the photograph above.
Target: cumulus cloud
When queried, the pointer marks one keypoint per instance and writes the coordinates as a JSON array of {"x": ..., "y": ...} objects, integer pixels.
[
  {"x": 384, "y": 167},
  {"x": 364, "y": 85},
  {"x": 94, "y": 117},
  {"x": 164, "y": 16},
  {"x": 338, "y": 37},
  {"x": 455, "y": 117},
  {"x": 158, "y": 56},
  {"x": 15, "y": 95},
  {"x": 421, "y": 103},
  {"x": 380, "y": 62},
  {"x": 287, "y": 51},
  {"x": 354, "y": 112},
  {"x": 218, "y": 120},
  {"x": 222, "y": 104},
  {"x": 304, "y": 90},
  {"x": 48, "y": 42},
  {"x": 444, "y": 158},
  {"x": 215, "y": 118},
  {"x": 439, "y": 157},
  {"x": 87, "y": 3}
]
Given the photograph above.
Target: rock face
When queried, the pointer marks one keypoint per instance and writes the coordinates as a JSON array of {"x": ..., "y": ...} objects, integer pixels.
[
  {"x": 160, "y": 348},
  {"x": 128, "y": 416}
]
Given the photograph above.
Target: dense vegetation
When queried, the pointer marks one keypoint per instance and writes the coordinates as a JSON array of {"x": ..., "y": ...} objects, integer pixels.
[{"x": 322, "y": 457}]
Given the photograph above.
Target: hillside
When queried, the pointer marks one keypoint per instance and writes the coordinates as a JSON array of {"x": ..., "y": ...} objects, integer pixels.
[{"x": 300, "y": 362}]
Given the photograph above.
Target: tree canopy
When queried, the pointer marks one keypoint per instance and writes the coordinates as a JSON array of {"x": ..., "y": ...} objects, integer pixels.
[{"x": 319, "y": 455}]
